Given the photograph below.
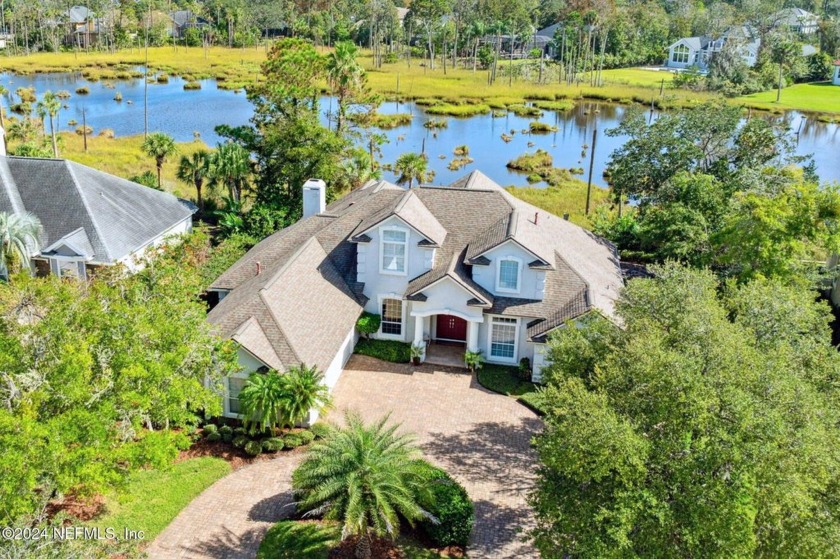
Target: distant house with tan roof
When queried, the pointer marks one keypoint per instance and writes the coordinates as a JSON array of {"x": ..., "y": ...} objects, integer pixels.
[{"x": 466, "y": 265}]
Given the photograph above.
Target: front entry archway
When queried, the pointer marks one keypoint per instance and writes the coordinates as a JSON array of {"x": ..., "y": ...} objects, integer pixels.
[{"x": 450, "y": 327}]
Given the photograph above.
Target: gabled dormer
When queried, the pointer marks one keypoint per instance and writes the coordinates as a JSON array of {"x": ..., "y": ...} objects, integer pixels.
[
  {"x": 68, "y": 255},
  {"x": 511, "y": 258},
  {"x": 401, "y": 240}
]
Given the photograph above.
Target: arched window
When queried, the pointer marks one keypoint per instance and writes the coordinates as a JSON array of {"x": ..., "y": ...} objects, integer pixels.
[{"x": 680, "y": 54}]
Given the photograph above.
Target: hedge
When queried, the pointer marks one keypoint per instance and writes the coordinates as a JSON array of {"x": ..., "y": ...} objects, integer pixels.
[
  {"x": 452, "y": 507},
  {"x": 386, "y": 350}
]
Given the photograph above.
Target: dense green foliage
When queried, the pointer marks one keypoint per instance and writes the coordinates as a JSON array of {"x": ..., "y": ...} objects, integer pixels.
[
  {"x": 386, "y": 350},
  {"x": 452, "y": 509},
  {"x": 706, "y": 427},
  {"x": 368, "y": 324},
  {"x": 713, "y": 192},
  {"x": 97, "y": 375},
  {"x": 366, "y": 477}
]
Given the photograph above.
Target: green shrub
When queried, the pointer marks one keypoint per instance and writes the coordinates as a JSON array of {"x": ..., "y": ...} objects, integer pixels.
[
  {"x": 368, "y": 324},
  {"x": 320, "y": 430},
  {"x": 273, "y": 444},
  {"x": 292, "y": 440},
  {"x": 239, "y": 431},
  {"x": 452, "y": 507},
  {"x": 306, "y": 436},
  {"x": 386, "y": 350},
  {"x": 210, "y": 428},
  {"x": 253, "y": 448},
  {"x": 226, "y": 430},
  {"x": 240, "y": 441},
  {"x": 214, "y": 436}
]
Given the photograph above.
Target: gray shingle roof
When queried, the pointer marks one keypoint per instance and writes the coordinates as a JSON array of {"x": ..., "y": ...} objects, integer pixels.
[
  {"x": 412, "y": 211},
  {"x": 306, "y": 299},
  {"x": 118, "y": 216}
]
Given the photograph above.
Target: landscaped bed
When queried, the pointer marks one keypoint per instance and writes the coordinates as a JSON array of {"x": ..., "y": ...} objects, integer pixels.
[
  {"x": 386, "y": 350},
  {"x": 508, "y": 381}
]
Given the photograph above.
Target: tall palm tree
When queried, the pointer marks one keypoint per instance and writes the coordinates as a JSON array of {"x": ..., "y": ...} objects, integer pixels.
[
  {"x": 366, "y": 477},
  {"x": 231, "y": 166},
  {"x": 49, "y": 107},
  {"x": 19, "y": 237},
  {"x": 160, "y": 146},
  {"x": 411, "y": 166},
  {"x": 305, "y": 390},
  {"x": 346, "y": 77},
  {"x": 194, "y": 170}
]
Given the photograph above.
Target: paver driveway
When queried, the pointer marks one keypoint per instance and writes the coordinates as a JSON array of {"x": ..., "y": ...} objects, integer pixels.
[{"x": 481, "y": 438}]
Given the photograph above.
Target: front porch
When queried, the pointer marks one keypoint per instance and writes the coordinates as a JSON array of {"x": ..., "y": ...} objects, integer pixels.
[{"x": 447, "y": 354}]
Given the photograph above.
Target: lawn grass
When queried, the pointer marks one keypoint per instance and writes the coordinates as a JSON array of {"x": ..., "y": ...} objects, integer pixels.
[
  {"x": 819, "y": 97},
  {"x": 289, "y": 539},
  {"x": 152, "y": 498},
  {"x": 505, "y": 380},
  {"x": 567, "y": 198},
  {"x": 124, "y": 158}
]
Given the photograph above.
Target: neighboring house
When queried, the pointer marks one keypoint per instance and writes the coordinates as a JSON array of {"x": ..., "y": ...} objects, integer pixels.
[
  {"x": 465, "y": 264},
  {"x": 836, "y": 78},
  {"x": 795, "y": 20},
  {"x": 698, "y": 51},
  {"x": 83, "y": 27},
  {"x": 183, "y": 20},
  {"x": 544, "y": 38},
  {"x": 90, "y": 218}
]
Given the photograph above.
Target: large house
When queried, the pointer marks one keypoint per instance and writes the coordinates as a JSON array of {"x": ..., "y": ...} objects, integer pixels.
[
  {"x": 181, "y": 20},
  {"x": 467, "y": 265},
  {"x": 795, "y": 20},
  {"x": 698, "y": 51},
  {"x": 89, "y": 218}
]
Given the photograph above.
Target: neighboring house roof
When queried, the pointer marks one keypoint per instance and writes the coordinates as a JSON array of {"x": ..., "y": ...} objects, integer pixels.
[
  {"x": 549, "y": 31},
  {"x": 116, "y": 217},
  {"x": 79, "y": 14},
  {"x": 306, "y": 297},
  {"x": 694, "y": 43},
  {"x": 186, "y": 17},
  {"x": 794, "y": 17}
]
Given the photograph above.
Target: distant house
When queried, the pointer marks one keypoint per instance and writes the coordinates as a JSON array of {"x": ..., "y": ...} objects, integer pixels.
[
  {"x": 698, "y": 51},
  {"x": 836, "y": 79},
  {"x": 448, "y": 268},
  {"x": 795, "y": 20},
  {"x": 183, "y": 20},
  {"x": 90, "y": 218},
  {"x": 83, "y": 28}
]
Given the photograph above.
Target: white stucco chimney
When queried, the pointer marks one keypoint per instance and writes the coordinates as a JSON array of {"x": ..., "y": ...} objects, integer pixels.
[{"x": 314, "y": 197}]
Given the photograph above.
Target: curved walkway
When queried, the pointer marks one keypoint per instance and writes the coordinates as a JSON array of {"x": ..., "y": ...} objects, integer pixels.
[
  {"x": 481, "y": 438},
  {"x": 229, "y": 519}
]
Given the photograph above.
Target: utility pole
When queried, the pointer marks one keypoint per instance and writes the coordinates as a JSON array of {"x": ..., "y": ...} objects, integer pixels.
[{"x": 591, "y": 166}]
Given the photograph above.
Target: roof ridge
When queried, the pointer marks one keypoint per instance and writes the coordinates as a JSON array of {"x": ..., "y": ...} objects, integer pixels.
[
  {"x": 294, "y": 256},
  {"x": 86, "y": 204},
  {"x": 403, "y": 200},
  {"x": 279, "y": 327},
  {"x": 513, "y": 223}
]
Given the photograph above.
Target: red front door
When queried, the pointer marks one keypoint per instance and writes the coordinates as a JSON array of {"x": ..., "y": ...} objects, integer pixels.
[{"x": 451, "y": 327}]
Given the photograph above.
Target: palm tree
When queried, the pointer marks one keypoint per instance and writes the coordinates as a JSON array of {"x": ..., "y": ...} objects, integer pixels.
[
  {"x": 411, "y": 167},
  {"x": 346, "y": 77},
  {"x": 160, "y": 146},
  {"x": 19, "y": 238},
  {"x": 366, "y": 477},
  {"x": 783, "y": 52},
  {"x": 49, "y": 106},
  {"x": 194, "y": 170},
  {"x": 262, "y": 400},
  {"x": 231, "y": 166},
  {"x": 305, "y": 390}
]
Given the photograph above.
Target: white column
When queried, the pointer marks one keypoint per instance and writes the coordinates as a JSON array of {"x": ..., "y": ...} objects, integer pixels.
[
  {"x": 418, "y": 335},
  {"x": 472, "y": 335}
]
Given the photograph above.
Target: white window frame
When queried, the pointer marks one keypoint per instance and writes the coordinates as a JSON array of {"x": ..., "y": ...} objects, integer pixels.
[
  {"x": 494, "y": 359},
  {"x": 680, "y": 52},
  {"x": 381, "y": 334},
  {"x": 81, "y": 269},
  {"x": 226, "y": 401},
  {"x": 382, "y": 242},
  {"x": 518, "y": 261}
]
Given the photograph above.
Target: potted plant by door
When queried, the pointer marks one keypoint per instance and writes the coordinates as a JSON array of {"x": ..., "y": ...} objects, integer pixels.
[{"x": 416, "y": 352}]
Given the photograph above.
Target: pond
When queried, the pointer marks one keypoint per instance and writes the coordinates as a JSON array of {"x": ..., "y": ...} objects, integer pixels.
[{"x": 190, "y": 114}]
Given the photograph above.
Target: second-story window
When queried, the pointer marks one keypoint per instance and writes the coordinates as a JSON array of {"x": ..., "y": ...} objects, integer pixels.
[
  {"x": 507, "y": 278},
  {"x": 394, "y": 248}
]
